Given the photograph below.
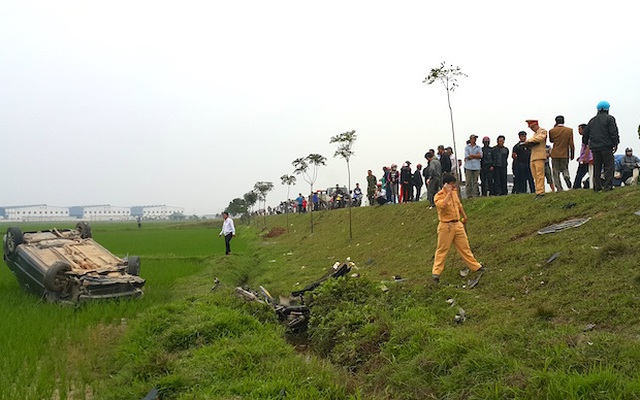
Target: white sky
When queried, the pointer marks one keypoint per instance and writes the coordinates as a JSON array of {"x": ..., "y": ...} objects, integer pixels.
[{"x": 190, "y": 103}]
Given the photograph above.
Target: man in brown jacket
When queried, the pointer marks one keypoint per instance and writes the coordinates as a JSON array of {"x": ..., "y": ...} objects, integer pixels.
[
  {"x": 562, "y": 152},
  {"x": 538, "y": 145}
]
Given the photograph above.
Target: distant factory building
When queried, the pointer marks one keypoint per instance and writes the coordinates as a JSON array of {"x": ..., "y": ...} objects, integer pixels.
[
  {"x": 102, "y": 212},
  {"x": 157, "y": 212},
  {"x": 38, "y": 212}
]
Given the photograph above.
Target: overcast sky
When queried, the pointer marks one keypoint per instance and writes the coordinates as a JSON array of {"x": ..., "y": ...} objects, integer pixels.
[{"x": 190, "y": 103}]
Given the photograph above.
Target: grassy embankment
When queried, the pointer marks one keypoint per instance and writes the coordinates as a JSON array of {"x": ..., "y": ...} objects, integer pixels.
[{"x": 524, "y": 336}]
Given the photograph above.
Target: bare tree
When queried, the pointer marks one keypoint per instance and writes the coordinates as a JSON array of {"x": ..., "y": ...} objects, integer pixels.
[
  {"x": 262, "y": 188},
  {"x": 287, "y": 180},
  {"x": 302, "y": 167},
  {"x": 448, "y": 76},
  {"x": 345, "y": 150}
]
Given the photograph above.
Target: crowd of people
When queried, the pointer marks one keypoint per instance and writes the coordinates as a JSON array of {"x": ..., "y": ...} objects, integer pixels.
[{"x": 485, "y": 168}]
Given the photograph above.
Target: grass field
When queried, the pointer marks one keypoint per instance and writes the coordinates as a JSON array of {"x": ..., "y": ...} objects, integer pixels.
[{"x": 568, "y": 329}]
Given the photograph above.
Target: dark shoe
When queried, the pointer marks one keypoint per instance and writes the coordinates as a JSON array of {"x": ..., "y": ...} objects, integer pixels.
[
  {"x": 482, "y": 268},
  {"x": 538, "y": 196},
  {"x": 436, "y": 279}
]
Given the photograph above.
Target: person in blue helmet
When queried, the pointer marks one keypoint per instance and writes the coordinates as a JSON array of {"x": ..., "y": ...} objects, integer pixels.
[{"x": 603, "y": 138}]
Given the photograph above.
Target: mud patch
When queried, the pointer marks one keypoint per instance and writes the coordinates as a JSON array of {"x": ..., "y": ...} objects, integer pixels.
[{"x": 274, "y": 232}]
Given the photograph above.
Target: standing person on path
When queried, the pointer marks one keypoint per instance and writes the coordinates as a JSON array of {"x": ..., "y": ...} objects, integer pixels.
[
  {"x": 444, "y": 159},
  {"x": 486, "y": 171},
  {"x": 538, "y": 145},
  {"x": 522, "y": 166},
  {"x": 371, "y": 186},
  {"x": 451, "y": 228},
  {"x": 299, "y": 201},
  {"x": 433, "y": 177},
  {"x": 500, "y": 156},
  {"x": 417, "y": 182},
  {"x": 562, "y": 152},
  {"x": 602, "y": 134},
  {"x": 547, "y": 170},
  {"x": 585, "y": 161},
  {"x": 472, "y": 166},
  {"x": 394, "y": 180},
  {"x": 406, "y": 177},
  {"x": 228, "y": 231}
]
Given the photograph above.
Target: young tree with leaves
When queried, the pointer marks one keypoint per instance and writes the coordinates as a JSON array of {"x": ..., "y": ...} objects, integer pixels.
[
  {"x": 302, "y": 167},
  {"x": 287, "y": 180},
  {"x": 345, "y": 150},
  {"x": 261, "y": 189},
  {"x": 448, "y": 76},
  {"x": 250, "y": 199},
  {"x": 237, "y": 206}
]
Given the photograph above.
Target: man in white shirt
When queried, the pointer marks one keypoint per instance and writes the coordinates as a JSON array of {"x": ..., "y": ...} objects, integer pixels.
[{"x": 228, "y": 231}]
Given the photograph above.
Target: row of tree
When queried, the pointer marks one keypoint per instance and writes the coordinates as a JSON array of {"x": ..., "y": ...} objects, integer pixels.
[{"x": 308, "y": 166}]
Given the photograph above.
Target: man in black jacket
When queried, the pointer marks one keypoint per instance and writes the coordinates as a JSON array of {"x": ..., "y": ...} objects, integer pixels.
[
  {"x": 486, "y": 167},
  {"x": 445, "y": 160},
  {"x": 417, "y": 182},
  {"x": 602, "y": 134},
  {"x": 406, "y": 179},
  {"x": 500, "y": 155}
]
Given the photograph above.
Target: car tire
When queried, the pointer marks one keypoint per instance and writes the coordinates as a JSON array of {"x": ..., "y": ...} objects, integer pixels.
[
  {"x": 133, "y": 267},
  {"x": 55, "y": 279},
  {"x": 84, "y": 229},
  {"x": 14, "y": 239}
]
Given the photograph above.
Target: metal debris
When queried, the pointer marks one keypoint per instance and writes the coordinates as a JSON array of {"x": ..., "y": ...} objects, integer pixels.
[
  {"x": 572, "y": 223},
  {"x": 553, "y": 257},
  {"x": 461, "y": 316}
]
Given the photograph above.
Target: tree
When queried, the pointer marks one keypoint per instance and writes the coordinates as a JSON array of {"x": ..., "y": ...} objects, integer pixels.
[
  {"x": 345, "y": 144},
  {"x": 287, "y": 180},
  {"x": 250, "y": 199},
  {"x": 237, "y": 206},
  {"x": 448, "y": 76},
  {"x": 261, "y": 189},
  {"x": 302, "y": 166}
]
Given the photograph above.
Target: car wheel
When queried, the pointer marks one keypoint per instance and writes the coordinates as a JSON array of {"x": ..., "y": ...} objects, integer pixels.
[
  {"x": 14, "y": 239},
  {"x": 84, "y": 229},
  {"x": 55, "y": 278},
  {"x": 133, "y": 268}
]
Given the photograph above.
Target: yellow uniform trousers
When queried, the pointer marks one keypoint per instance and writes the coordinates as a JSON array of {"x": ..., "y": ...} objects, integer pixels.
[
  {"x": 537, "y": 170},
  {"x": 448, "y": 233}
]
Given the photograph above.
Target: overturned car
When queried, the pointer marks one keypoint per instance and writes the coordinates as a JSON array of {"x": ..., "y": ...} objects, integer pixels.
[{"x": 69, "y": 266}]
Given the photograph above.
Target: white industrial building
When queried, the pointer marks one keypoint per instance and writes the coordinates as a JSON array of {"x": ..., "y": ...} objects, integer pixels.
[
  {"x": 102, "y": 212},
  {"x": 38, "y": 212},
  {"x": 156, "y": 212}
]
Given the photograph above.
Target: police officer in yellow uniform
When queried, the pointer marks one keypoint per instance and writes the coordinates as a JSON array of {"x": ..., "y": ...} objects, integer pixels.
[
  {"x": 451, "y": 228},
  {"x": 538, "y": 145}
]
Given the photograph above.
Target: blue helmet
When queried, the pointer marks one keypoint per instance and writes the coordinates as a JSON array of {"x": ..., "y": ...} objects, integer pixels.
[{"x": 603, "y": 105}]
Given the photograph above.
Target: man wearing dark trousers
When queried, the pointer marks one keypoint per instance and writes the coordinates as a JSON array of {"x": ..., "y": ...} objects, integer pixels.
[
  {"x": 228, "y": 231},
  {"x": 603, "y": 137},
  {"x": 499, "y": 157}
]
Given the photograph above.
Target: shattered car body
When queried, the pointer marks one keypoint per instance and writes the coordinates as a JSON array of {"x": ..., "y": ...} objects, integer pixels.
[{"x": 69, "y": 266}]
